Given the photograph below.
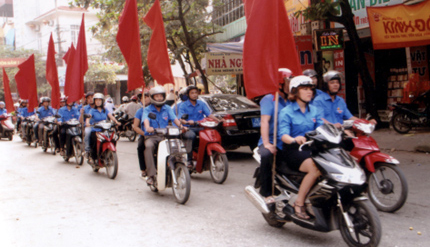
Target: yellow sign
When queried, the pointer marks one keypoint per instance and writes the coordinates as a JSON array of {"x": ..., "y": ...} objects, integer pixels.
[
  {"x": 223, "y": 63},
  {"x": 399, "y": 25}
]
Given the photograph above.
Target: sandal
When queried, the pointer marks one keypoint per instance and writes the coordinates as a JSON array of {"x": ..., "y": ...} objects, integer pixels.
[
  {"x": 62, "y": 152},
  {"x": 150, "y": 181},
  {"x": 301, "y": 213},
  {"x": 143, "y": 175},
  {"x": 269, "y": 200}
]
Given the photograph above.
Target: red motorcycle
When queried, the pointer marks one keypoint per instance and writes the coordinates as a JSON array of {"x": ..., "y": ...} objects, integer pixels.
[
  {"x": 6, "y": 127},
  {"x": 210, "y": 155},
  {"x": 387, "y": 185},
  {"x": 106, "y": 149}
]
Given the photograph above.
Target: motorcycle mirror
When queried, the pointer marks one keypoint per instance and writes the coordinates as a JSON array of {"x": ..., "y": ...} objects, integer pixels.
[
  {"x": 152, "y": 116},
  {"x": 57, "y": 115},
  {"x": 37, "y": 112},
  {"x": 184, "y": 116}
]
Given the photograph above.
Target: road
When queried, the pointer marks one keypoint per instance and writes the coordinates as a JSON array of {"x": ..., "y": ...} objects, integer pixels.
[{"x": 45, "y": 201}]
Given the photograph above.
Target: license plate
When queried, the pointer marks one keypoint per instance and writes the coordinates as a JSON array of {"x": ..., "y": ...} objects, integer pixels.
[{"x": 256, "y": 122}]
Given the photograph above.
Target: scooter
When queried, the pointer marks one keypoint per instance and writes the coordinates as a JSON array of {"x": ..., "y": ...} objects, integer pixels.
[
  {"x": 126, "y": 129},
  {"x": 334, "y": 202},
  {"x": 74, "y": 145},
  {"x": 27, "y": 127},
  {"x": 171, "y": 160},
  {"x": 49, "y": 128},
  {"x": 6, "y": 127},
  {"x": 210, "y": 155},
  {"x": 106, "y": 149},
  {"x": 388, "y": 188}
]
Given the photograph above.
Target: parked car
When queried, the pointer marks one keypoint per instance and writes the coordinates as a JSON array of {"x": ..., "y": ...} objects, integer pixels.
[{"x": 242, "y": 125}]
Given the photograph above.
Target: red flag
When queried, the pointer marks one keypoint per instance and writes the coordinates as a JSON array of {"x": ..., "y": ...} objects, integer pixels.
[
  {"x": 269, "y": 45},
  {"x": 158, "y": 58},
  {"x": 128, "y": 39},
  {"x": 26, "y": 82},
  {"x": 7, "y": 94},
  {"x": 74, "y": 86},
  {"x": 52, "y": 75},
  {"x": 69, "y": 53}
]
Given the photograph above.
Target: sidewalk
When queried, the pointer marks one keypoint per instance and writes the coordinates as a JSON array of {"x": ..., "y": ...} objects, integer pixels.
[{"x": 414, "y": 141}]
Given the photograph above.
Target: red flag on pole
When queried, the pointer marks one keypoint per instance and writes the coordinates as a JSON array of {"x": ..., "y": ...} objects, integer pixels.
[
  {"x": 7, "y": 94},
  {"x": 128, "y": 39},
  {"x": 52, "y": 75},
  {"x": 158, "y": 58},
  {"x": 269, "y": 45},
  {"x": 74, "y": 86},
  {"x": 69, "y": 53},
  {"x": 26, "y": 82}
]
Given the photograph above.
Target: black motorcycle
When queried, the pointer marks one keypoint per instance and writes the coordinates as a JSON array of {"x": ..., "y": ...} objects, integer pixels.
[
  {"x": 126, "y": 127},
  {"x": 49, "y": 130},
  {"x": 28, "y": 130},
  {"x": 407, "y": 116},
  {"x": 334, "y": 202},
  {"x": 74, "y": 145}
]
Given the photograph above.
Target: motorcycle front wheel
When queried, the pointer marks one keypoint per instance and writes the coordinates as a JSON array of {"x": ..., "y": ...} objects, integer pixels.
[
  {"x": 111, "y": 163},
  {"x": 392, "y": 192},
  {"x": 132, "y": 137},
  {"x": 77, "y": 148},
  {"x": 401, "y": 123},
  {"x": 182, "y": 189},
  {"x": 52, "y": 144},
  {"x": 219, "y": 167},
  {"x": 365, "y": 220}
]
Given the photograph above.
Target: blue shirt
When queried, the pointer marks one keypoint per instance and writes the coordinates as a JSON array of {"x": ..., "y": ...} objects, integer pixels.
[
  {"x": 67, "y": 114},
  {"x": 163, "y": 116},
  {"x": 25, "y": 113},
  {"x": 139, "y": 115},
  {"x": 87, "y": 110},
  {"x": 293, "y": 122},
  {"x": 97, "y": 116},
  {"x": 333, "y": 111},
  {"x": 267, "y": 107},
  {"x": 43, "y": 113},
  {"x": 3, "y": 111},
  {"x": 195, "y": 112}
]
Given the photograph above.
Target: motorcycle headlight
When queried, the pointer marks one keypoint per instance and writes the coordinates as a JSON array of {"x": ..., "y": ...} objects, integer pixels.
[
  {"x": 366, "y": 128},
  {"x": 352, "y": 176},
  {"x": 173, "y": 132}
]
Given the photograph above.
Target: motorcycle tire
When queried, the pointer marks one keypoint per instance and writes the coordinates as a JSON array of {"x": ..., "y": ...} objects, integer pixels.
[
  {"x": 367, "y": 226},
  {"x": 182, "y": 190},
  {"x": 132, "y": 138},
  {"x": 77, "y": 149},
  {"x": 388, "y": 198},
  {"x": 398, "y": 123},
  {"x": 111, "y": 163},
  {"x": 52, "y": 145},
  {"x": 219, "y": 168},
  {"x": 10, "y": 137}
]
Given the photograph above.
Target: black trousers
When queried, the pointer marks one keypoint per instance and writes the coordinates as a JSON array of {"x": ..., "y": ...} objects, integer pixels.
[
  {"x": 140, "y": 153},
  {"x": 65, "y": 139},
  {"x": 266, "y": 170},
  {"x": 93, "y": 145}
]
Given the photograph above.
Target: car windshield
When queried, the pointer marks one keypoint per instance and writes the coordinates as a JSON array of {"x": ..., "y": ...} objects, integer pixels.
[{"x": 229, "y": 102}]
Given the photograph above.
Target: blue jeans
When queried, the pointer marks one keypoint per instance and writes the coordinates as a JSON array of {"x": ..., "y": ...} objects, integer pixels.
[{"x": 87, "y": 139}]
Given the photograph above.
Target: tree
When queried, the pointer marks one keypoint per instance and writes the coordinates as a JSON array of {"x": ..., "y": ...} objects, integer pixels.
[
  {"x": 329, "y": 11},
  {"x": 187, "y": 23},
  {"x": 101, "y": 73}
]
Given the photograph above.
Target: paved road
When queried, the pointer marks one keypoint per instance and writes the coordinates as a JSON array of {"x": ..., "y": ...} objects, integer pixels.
[{"x": 45, "y": 201}]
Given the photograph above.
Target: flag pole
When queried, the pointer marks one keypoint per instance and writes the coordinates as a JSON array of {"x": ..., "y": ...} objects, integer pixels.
[{"x": 275, "y": 130}]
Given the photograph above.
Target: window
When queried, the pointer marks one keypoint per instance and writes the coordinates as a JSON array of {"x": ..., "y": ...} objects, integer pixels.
[
  {"x": 230, "y": 11},
  {"x": 74, "y": 32}
]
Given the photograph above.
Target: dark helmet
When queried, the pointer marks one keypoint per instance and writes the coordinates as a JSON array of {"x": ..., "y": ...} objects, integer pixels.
[
  {"x": 183, "y": 94},
  {"x": 157, "y": 90},
  {"x": 310, "y": 72},
  {"x": 89, "y": 94},
  {"x": 329, "y": 76},
  {"x": 191, "y": 87}
]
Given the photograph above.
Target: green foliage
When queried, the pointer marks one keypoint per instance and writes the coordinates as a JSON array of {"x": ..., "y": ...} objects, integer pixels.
[
  {"x": 101, "y": 73},
  {"x": 320, "y": 11}
]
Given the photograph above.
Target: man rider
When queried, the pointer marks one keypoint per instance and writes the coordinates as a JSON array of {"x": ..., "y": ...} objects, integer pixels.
[
  {"x": 196, "y": 111},
  {"x": 3, "y": 110},
  {"x": 132, "y": 107},
  {"x": 137, "y": 127},
  {"x": 164, "y": 114},
  {"x": 44, "y": 111},
  {"x": 89, "y": 104},
  {"x": 314, "y": 76},
  {"x": 121, "y": 108},
  {"x": 24, "y": 114},
  {"x": 66, "y": 112},
  {"x": 266, "y": 146}
]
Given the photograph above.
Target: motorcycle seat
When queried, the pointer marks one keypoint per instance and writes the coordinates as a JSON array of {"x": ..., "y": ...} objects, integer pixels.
[{"x": 282, "y": 168}]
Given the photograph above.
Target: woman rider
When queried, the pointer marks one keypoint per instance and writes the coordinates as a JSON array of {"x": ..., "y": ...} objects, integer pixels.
[
  {"x": 98, "y": 113},
  {"x": 294, "y": 121}
]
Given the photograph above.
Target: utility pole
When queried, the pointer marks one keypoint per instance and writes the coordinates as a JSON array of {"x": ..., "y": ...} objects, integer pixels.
[{"x": 60, "y": 52}]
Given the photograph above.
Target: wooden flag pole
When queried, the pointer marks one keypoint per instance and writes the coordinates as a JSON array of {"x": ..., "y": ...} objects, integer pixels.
[{"x": 275, "y": 130}]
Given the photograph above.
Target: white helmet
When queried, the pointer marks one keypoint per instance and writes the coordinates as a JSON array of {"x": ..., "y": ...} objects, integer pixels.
[
  {"x": 99, "y": 96},
  {"x": 300, "y": 80},
  {"x": 157, "y": 90},
  {"x": 125, "y": 99},
  {"x": 2, "y": 103}
]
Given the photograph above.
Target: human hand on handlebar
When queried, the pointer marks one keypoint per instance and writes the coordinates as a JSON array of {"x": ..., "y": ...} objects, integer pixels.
[
  {"x": 300, "y": 139},
  {"x": 150, "y": 130},
  {"x": 191, "y": 122}
]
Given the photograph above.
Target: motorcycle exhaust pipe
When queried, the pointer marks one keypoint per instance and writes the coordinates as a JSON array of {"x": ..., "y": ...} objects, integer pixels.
[{"x": 253, "y": 196}]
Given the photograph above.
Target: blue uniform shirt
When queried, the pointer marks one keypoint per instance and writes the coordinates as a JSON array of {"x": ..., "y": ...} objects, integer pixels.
[
  {"x": 163, "y": 116},
  {"x": 97, "y": 116},
  {"x": 267, "y": 107},
  {"x": 195, "y": 112},
  {"x": 293, "y": 122},
  {"x": 333, "y": 111},
  {"x": 87, "y": 110},
  {"x": 43, "y": 113},
  {"x": 67, "y": 114},
  {"x": 3, "y": 111},
  {"x": 139, "y": 115},
  {"x": 25, "y": 113}
]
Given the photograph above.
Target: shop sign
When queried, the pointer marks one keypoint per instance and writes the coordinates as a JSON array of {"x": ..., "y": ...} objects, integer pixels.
[
  {"x": 304, "y": 47},
  {"x": 292, "y": 7},
  {"x": 223, "y": 63},
  {"x": 419, "y": 62},
  {"x": 329, "y": 39},
  {"x": 10, "y": 62},
  {"x": 400, "y": 26}
]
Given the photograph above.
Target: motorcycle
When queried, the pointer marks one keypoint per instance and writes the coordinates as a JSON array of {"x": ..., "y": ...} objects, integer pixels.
[
  {"x": 6, "y": 127},
  {"x": 49, "y": 127},
  {"x": 388, "y": 188},
  {"x": 126, "y": 129},
  {"x": 210, "y": 155},
  {"x": 407, "y": 116},
  {"x": 171, "y": 160},
  {"x": 334, "y": 202},
  {"x": 27, "y": 127},
  {"x": 106, "y": 149},
  {"x": 75, "y": 147}
]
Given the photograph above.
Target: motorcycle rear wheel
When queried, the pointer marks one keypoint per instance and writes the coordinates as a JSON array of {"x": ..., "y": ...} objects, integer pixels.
[
  {"x": 77, "y": 148},
  {"x": 219, "y": 169},
  {"x": 111, "y": 163},
  {"x": 394, "y": 192},
  {"x": 367, "y": 226},
  {"x": 401, "y": 123},
  {"x": 182, "y": 190}
]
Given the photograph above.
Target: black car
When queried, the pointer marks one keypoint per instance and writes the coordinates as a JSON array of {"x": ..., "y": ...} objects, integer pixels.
[{"x": 242, "y": 125}]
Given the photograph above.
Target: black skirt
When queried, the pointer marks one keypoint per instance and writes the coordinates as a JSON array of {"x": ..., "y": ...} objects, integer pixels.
[{"x": 293, "y": 157}]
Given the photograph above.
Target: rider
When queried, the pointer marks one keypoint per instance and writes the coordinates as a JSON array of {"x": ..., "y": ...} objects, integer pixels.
[
  {"x": 141, "y": 141},
  {"x": 3, "y": 110},
  {"x": 196, "y": 110},
  {"x": 44, "y": 111},
  {"x": 89, "y": 104},
  {"x": 266, "y": 146},
  {"x": 24, "y": 114},
  {"x": 182, "y": 97},
  {"x": 314, "y": 76},
  {"x": 121, "y": 108},
  {"x": 63, "y": 100},
  {"x": 164, "y": 114},
  {"x": 66, "y": 112},
  {"x": 295, "y": 120},
  {"x": 132, "y": 107},
  {"x": 98, "y": 113}
]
